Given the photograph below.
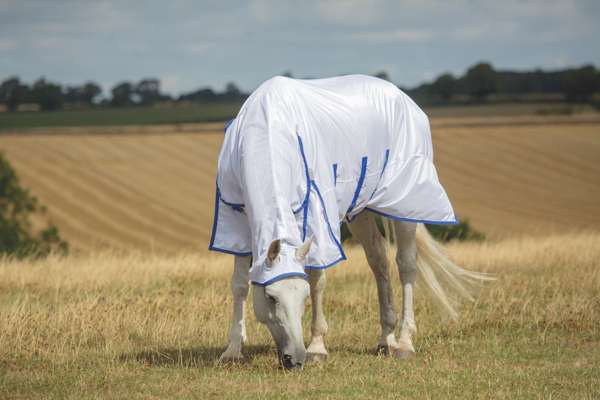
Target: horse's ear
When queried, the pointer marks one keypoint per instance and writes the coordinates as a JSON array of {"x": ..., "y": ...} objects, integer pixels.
[
  {"x": 274, "y": 249},
  {"x": 302, "y": 251}
]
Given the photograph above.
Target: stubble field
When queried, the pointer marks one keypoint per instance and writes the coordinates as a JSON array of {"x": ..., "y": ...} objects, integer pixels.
[
  {"x": 152, "y": 188},
  {"x": 140, "y": 310}
]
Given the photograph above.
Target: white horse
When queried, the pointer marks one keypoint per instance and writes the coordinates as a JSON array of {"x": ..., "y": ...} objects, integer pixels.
[
  {"x": 281, "y": 305},
  {"x": 301, "y": 157}
]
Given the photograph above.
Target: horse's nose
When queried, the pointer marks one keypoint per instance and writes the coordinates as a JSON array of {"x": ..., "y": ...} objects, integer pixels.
[{"x": 288, "y": 362}]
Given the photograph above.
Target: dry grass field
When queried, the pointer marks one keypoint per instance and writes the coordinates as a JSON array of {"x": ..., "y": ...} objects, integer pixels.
[
  {"x": 108, "y": 325},
  {"x": 153, "y": 187},
  {"x": 140, "y": 310}
]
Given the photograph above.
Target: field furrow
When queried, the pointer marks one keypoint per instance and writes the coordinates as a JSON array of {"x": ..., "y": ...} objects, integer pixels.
[{"x": 156, "y": 190}]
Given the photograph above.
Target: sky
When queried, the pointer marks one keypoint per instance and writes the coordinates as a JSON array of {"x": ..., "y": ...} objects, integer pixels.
[{"x": 190, "y": 44}]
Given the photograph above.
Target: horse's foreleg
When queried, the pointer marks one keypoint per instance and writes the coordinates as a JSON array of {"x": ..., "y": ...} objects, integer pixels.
[
  {"x": 365, "y": 230},
  {"x": 239, "y": 288},
  {"x": 406, "y": 258},
  {"x": 316, "y": 351}
]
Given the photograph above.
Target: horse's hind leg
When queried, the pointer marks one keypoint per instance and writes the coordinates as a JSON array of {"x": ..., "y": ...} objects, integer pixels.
[
  {"x": 239, "y": 288},
  {"x": 406, "y": 258},
  {"x": 316, "y": 351},
  {"x": 365, "y": 230}
]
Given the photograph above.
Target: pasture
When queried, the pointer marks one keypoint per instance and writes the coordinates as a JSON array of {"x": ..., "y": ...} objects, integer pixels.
[
  {"x": 137, "y": 325},
  {"x": 120, "y": 116},
  {"x": 140, "y": 310}
]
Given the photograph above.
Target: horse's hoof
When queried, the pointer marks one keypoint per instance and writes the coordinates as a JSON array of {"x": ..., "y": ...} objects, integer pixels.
[
  {"x": 382, "y": 350},
  {"x": 231, "y": 358},
  {"x": 394, "y": 352},
  {"x": 316, "y": 358},
  {"x": 403, "y": 354}
]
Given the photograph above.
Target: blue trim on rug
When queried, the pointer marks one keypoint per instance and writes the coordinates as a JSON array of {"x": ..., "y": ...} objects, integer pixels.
[
  {"x": 232, "y": 252},
  {"x": 305, "y": 202},
  {"x": 331, "y": 264},
  {"x": 385, "y": 162},
  {"x": 331, "y": 233},
  {"x": 227, "y": 124},
  {"x": 213, "y": 234},
  {"x": 334, "y": 174},
  {"x": 423, "y": 221},
  {"x": 215, "y": 219},
  {"x": 280, "y": 277},
  {"x": 359, "y": 185},
  {"x": 305, "y": 219},
  {"x": 239, "y": 207}
]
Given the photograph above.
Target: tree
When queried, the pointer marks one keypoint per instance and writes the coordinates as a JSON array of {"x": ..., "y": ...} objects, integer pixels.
[
  {"x": 13, "y": 93},
  {"x": 84, "y": 94},
  {"x": 89, "y": 92},
  {"x": 16, "y": 206},
  {"x": 148, "y": 91},
  {"x": 48, "y": 95},
  {"x": 383, "y": 75},
  {"x": 200, "y": 95},
  {"x": 122, "y": 94},
  {"x": 231, "y": 89},
  {"x": 444, "y": 86},
  {"x": 481, "y": 81},
  {"x": 579, "y": 85}
]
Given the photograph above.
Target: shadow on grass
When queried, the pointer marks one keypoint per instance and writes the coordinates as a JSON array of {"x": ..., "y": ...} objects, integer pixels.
[{"x": 189, "y": 358}]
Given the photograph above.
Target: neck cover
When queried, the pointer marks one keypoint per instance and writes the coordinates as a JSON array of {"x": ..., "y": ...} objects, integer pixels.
[{"x": 303, "y": 155}]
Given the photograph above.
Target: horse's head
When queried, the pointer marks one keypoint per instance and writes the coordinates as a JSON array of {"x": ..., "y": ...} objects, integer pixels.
[{"x": 280, "y": 306}]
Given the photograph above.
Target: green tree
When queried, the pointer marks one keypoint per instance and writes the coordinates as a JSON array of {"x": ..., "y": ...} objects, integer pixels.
[
  {"x": 89, "y": 92},
  {"x": 444, "y": 86},
  {"x": 13, "y": 93},
  {"x": 122, "y": 94},
  {"x": 17, "y": 205},
  {"x": 383, "y": 75},
  {"x": 48, "y": 95},
  {"x": 148, "y": 91},
  {"x": 231, "y": 89},
  {"x": 481, "y": 81},
  {"x": 579, "y": 85}
]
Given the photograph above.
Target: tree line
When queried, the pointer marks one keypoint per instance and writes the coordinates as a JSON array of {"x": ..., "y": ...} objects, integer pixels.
[
  {"x": 478, "y": 84},
  {"x": 481, "y": 81},
  {"x": 50, "y": 96}
]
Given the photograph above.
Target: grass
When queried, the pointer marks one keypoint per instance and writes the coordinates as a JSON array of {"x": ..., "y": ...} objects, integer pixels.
[
  {"x": 120, "y": 116},
  {"x": 133, "y": 325},
  {"x": 211, "y": 112}
]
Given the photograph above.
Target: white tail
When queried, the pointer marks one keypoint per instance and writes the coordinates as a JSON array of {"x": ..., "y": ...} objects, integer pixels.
[{"x": 446, "y": 281}]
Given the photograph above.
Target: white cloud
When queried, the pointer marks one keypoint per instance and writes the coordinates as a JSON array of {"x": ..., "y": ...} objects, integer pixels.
[
  {"x": 171, "y": 84},
  {"x": 7, "y": 44},
  {"x": 351, "y": 12},
  {"x": 397, "y": 35}
]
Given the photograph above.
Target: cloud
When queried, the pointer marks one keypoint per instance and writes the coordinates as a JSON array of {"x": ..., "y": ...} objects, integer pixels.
[
  {"x": 196, "y": 43},
  {"x": 397, "y": 35},
  {"x": 7, "y": 44},
  {"x": 352, "y": 12},
  {"x": 171, "y": 84}
]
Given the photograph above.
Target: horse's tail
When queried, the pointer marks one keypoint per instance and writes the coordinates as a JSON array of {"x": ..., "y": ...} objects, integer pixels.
[{"x": 447, "y": 282}]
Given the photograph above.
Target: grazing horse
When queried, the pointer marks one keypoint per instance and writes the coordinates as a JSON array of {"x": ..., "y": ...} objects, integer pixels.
[{"x": 300, "y": 158}]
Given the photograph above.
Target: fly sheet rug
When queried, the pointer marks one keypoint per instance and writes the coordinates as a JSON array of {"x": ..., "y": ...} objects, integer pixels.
[{"x": 302, "y": 156}]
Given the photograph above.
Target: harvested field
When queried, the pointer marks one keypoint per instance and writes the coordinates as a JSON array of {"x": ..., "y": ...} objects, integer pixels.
[{"x": 155, "y": 189}]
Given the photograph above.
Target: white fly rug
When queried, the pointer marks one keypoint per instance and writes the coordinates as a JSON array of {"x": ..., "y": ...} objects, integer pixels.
[{"x": 303, "y": 155}]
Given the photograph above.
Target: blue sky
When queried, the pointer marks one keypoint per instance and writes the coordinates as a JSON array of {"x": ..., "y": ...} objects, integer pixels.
[{"x": 189, "y": 44}]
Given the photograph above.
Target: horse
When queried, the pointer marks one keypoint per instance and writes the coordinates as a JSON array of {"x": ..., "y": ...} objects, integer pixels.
[{"x": 300, "y": 158}]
